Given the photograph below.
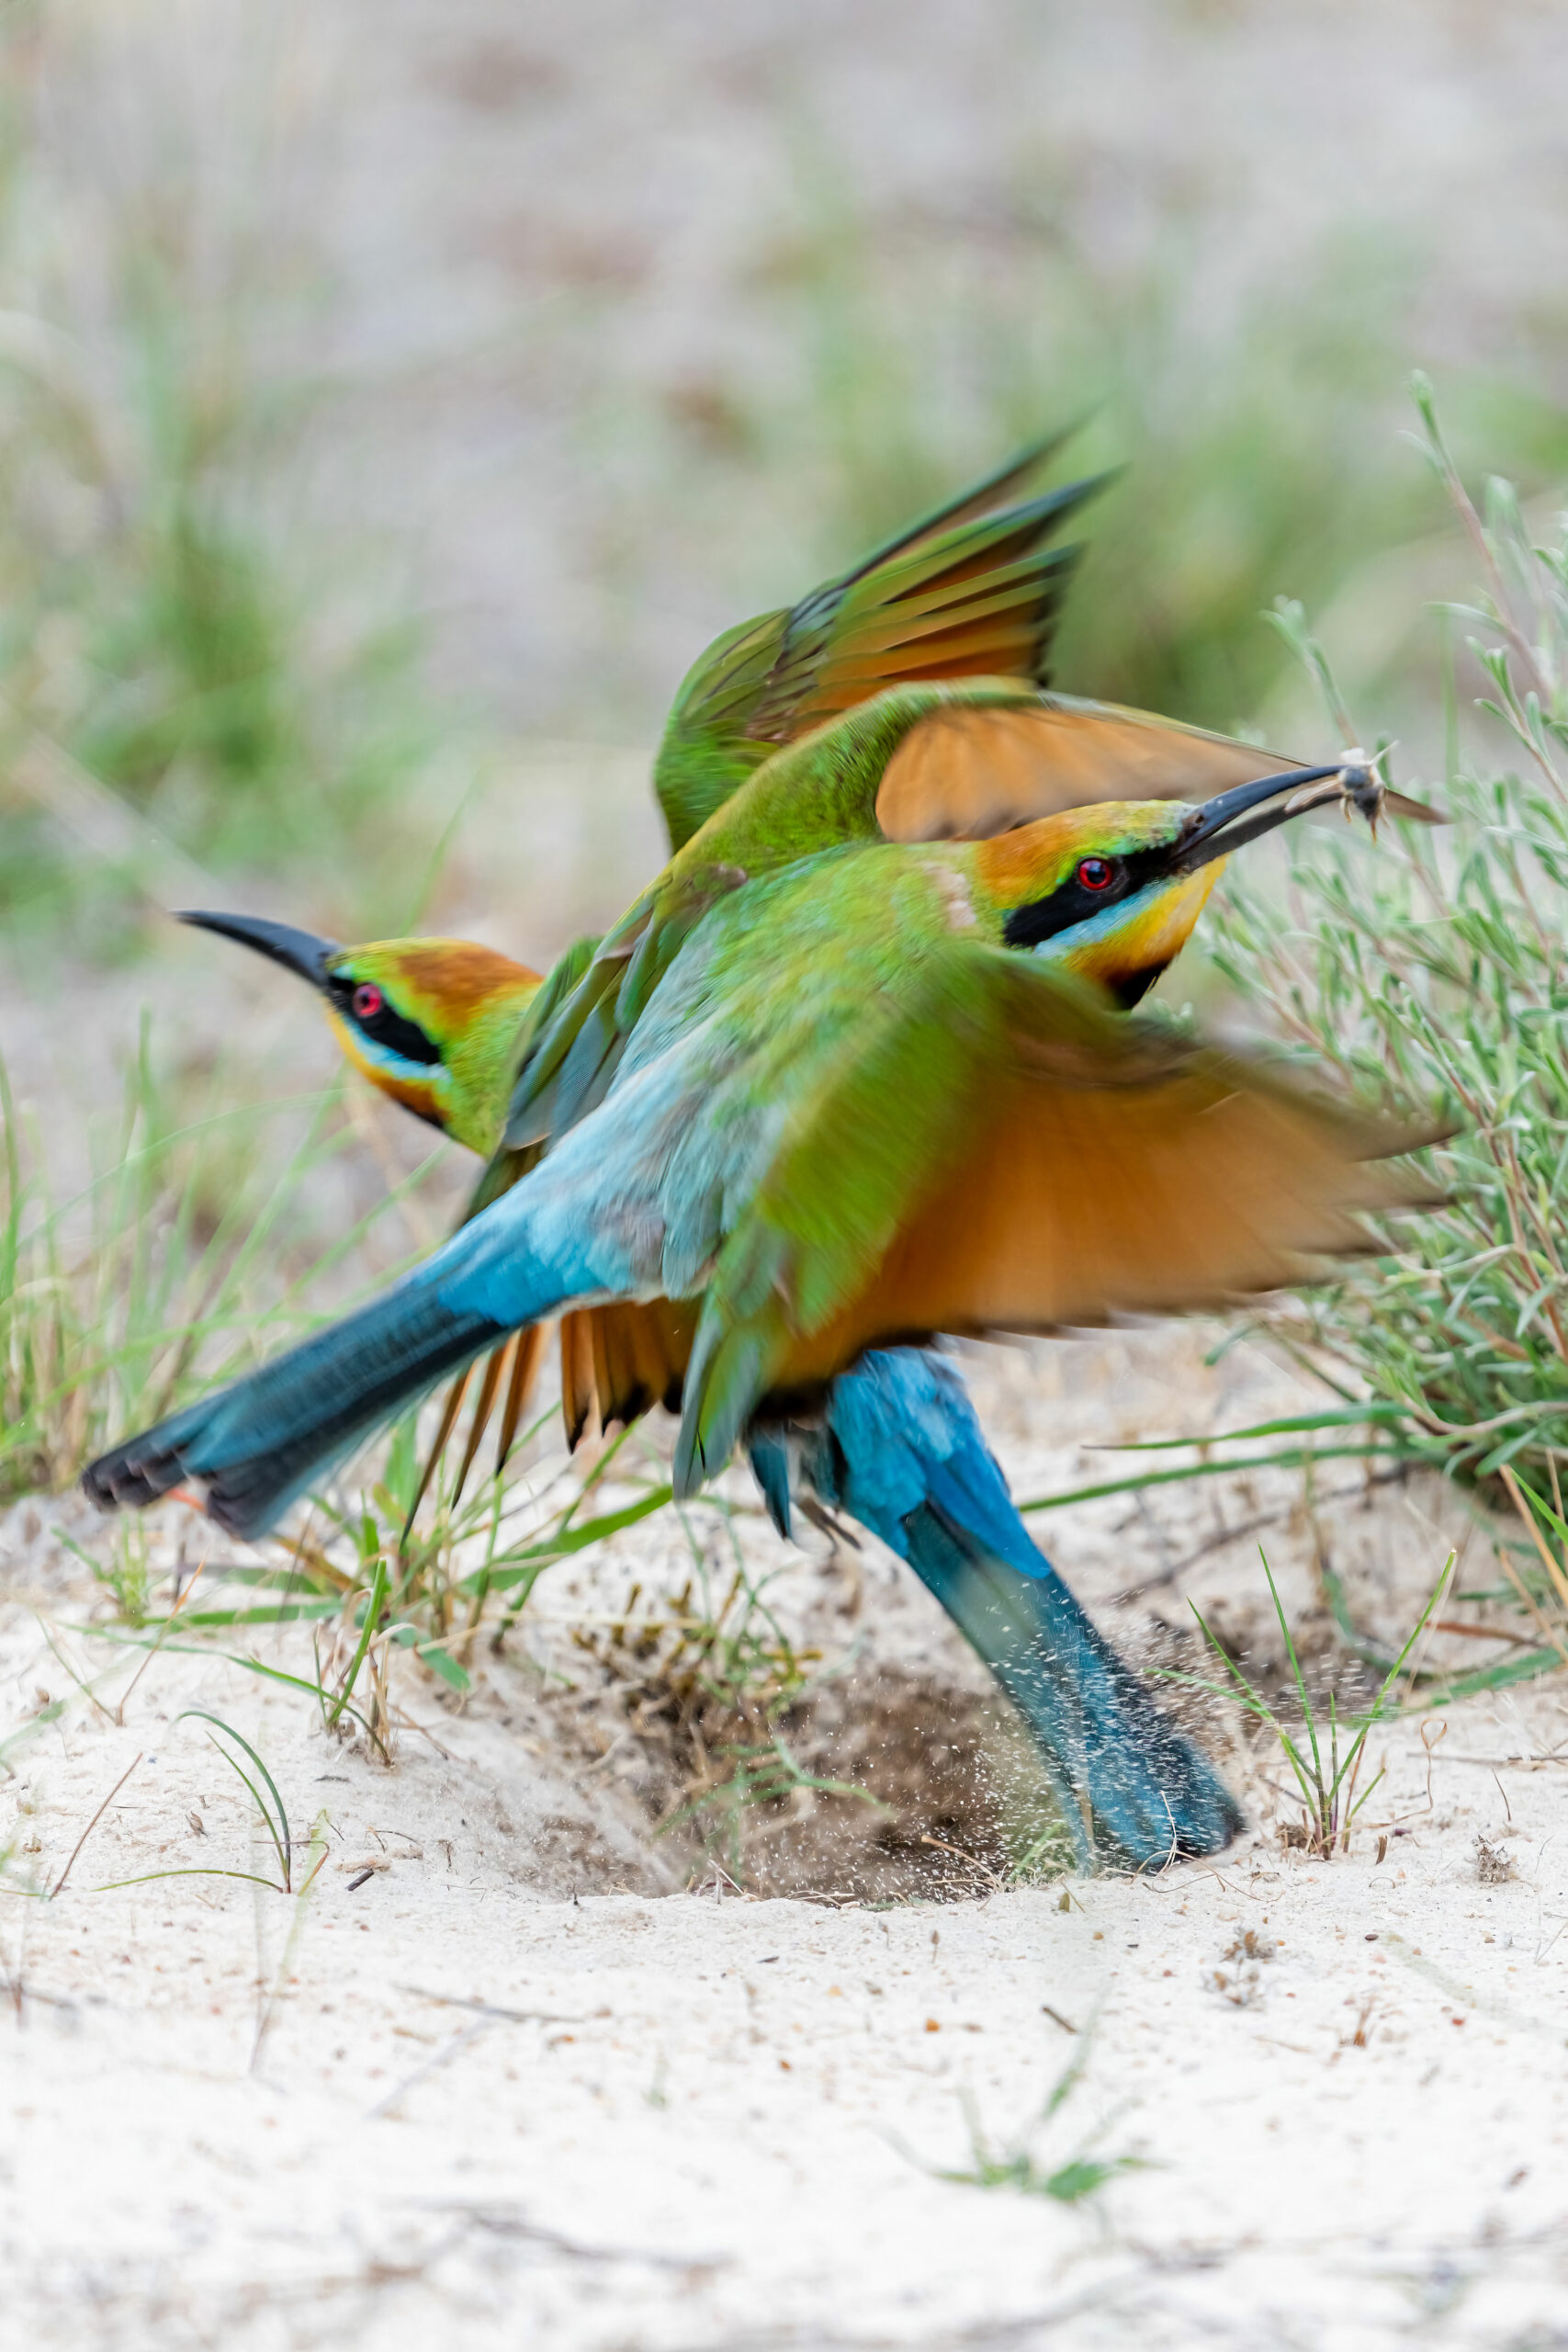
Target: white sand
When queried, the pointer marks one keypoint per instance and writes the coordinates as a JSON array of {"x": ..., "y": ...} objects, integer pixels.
[{"x": 713, "y": 2121}]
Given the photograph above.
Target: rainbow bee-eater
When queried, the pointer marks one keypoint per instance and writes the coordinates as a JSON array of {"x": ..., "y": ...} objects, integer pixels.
[
  {"x": 973, "y": 590},
  {"x": 894, "y": 1441},
  {"x": 874, "y": 1093}
]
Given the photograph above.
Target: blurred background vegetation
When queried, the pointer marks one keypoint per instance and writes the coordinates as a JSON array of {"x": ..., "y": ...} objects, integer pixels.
[{"x": 393, "y": 402}]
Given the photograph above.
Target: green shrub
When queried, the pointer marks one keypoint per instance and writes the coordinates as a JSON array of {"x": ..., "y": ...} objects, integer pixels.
[{"x": 1439, "y": 967}]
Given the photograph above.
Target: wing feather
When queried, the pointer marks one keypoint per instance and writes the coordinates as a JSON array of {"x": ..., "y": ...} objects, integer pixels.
[
  {"x": 808, "y": 683},
  {"x": 771, "y": 679},
  {"x": 525, "y": 1360},
  {"x": 967, "y": 772},
  {"x": 1065, "y": 1166},
  {"x": 621, "y": 1359}
]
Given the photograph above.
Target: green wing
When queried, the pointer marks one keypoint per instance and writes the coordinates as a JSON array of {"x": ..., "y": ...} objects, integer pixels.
[
  {"x": 965, "y": 759},
  {"x": 818, "y": 793},
  {"x": 995, "y": 1149},
  {"x": 973, "y": 590}
]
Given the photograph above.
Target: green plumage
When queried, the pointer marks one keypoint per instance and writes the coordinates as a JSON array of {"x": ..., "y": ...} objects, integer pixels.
[
  {"x": 973, "y": 587},
  {"x": 868, "y": 1055},
  {"x": 814, "y": 795}
]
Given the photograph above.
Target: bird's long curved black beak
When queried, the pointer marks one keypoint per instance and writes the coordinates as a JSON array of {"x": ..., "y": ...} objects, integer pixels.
[
  {"x": 1214, "y": 830},
  {"x": 302, "y": 952}
]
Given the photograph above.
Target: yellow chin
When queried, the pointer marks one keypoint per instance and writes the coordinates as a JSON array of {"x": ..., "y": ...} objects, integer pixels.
[{"x": 1155, "y": 930}]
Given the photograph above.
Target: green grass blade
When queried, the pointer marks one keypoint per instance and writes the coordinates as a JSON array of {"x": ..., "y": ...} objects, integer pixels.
[
  {"x": 1290, "y": 1458},
  {"x": 230, "y": 1657},
  {"x": 1333, "y": 1417},
  {"x": 515, "y": 1567},
  {"x": 373, "y": 1608},
  {"x": 277, "y": 1828},
  {"x": 1299, "y": 1678},
  {"x": 146, "y": 1878}
]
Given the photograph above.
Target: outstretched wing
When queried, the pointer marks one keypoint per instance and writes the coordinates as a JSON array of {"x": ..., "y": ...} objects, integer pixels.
[
  {"x": 972, "y": 590},
  {"x": 1002, "y": 1152},
  {"x": 967, "y": 772},
  {"x": 964, "y": 759}
]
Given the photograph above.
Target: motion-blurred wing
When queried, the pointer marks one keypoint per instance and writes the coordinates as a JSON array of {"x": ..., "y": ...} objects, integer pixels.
[{"x": 1008, "y": 1155}]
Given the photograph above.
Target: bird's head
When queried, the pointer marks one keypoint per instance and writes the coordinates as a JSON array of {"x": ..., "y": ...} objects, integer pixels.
[
  {"x": 1113, "y": 892},
  {"x": 432, "y": 1023}
]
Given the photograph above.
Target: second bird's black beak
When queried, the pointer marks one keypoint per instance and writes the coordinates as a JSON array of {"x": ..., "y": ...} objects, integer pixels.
[
  {"x": 298, "y": 951},
  {"x": 1214, "y": 832}
]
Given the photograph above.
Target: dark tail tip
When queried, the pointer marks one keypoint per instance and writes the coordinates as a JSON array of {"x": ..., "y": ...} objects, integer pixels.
[{"x": 131, "y": 1477}]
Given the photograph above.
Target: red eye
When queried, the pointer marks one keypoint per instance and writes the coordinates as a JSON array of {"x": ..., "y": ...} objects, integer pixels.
[
  {"x": 1095, "y": 872},
  {"x": 367, "y": 1000}
]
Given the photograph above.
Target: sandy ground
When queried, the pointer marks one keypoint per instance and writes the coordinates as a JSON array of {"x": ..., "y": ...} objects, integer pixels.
[{"x": 513, "y": 2085}]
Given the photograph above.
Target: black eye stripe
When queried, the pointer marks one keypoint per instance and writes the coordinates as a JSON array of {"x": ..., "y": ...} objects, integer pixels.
[
  {"x": 1071, "y": 903},
  {"x": 399, "y": 1036},
  {"x": 404, "y": 1038}
]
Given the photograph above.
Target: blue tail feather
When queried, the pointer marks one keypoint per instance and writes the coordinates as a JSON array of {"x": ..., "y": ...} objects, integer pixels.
[
  {"x": 900, "y": 1450},
  {"x": 258, "y": 1444}
]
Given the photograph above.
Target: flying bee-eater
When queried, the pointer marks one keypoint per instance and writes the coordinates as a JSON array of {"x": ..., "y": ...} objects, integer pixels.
[
  {"x": 1107, "y": 895},
  {"x": 872, "y": 1095},
  {"x": 971, "y": 592},
  {"x": 893, "y": 1442},
  {"x": 974, "y": 589}
]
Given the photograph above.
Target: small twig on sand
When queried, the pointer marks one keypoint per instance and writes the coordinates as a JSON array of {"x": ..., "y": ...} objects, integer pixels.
[
  {"x": 487, "y": 2016},
  {"x": 488, "y": 2009},
  {"x": 509, "y": 2221},
  {"x": 93, "y": 1825}
]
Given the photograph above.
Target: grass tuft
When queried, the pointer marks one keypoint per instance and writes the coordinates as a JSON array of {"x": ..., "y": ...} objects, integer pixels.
[
  {"x": 1020, "y": 2167},
  {"x": 1435, "y": 969},
  {"x": 1438, "y": 969},
  {"x": 119, "y": 1304},
  {"x": 1326, "y": 1777}
]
